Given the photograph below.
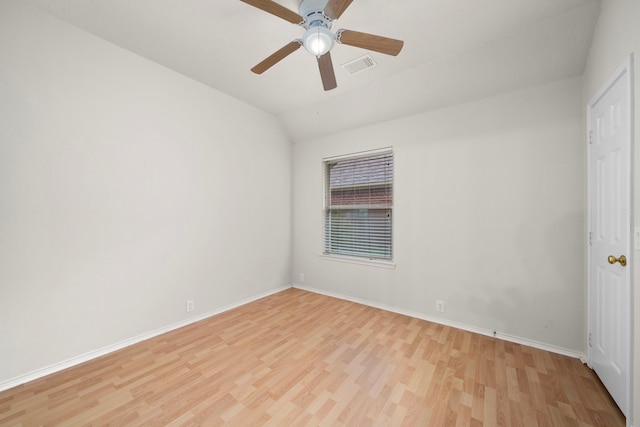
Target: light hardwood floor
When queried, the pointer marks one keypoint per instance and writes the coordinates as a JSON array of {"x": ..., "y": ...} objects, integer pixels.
[{"x": 298, "y": 358}]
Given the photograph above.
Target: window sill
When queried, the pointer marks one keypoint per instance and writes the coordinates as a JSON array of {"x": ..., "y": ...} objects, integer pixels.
[{"x": 360, "y": 261}]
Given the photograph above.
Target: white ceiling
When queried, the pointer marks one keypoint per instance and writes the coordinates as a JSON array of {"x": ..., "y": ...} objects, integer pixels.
[{"x": 455, "y": 51}]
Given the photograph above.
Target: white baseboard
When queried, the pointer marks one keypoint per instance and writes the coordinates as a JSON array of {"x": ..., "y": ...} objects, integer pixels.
[
  {"x": 457, "y": 325},
  {"x": 56, "y": 367}
]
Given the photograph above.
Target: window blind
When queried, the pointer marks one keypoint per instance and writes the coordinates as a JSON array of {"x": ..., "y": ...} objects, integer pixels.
[{"x": 358, "y": 206}]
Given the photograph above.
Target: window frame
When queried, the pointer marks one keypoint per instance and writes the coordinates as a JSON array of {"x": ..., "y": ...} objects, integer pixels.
[{"x": 384, "y": 262}]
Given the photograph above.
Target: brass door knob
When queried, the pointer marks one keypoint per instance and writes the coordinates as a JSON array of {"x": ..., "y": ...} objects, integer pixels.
[{"x": 622, "y": 260}]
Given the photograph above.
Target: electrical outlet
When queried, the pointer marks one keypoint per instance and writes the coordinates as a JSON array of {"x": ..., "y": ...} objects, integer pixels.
[
  {"x": 302, "y": 277},
  {"x": 440, "y": 306},
  {"x": 191, "y": 305}
]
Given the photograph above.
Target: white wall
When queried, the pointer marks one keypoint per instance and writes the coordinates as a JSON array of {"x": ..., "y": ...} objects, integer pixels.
[
  {"x": 488, "y": 215},
  {"x": 618, "y": 35},
  {"x": 125, "y": 189}
]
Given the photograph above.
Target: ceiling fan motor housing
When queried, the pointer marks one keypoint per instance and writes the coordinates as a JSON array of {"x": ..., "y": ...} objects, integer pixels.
[
  {"x": 312, "y": 12},
  {"x": 318, "y": 39}
]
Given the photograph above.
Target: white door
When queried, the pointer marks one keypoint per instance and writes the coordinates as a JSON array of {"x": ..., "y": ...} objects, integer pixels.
[{"x": 609, "y": 307}]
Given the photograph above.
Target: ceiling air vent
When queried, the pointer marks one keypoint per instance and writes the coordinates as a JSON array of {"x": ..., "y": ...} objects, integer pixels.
[{"x": 360, "y": 64}]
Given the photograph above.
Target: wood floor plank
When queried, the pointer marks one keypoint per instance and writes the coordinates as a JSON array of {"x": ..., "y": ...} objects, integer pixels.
[{"x": 298, "y": 358}]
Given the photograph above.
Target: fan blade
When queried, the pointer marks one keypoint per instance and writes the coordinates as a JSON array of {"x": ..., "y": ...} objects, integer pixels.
[
  {"x": 276, "y": 9},
  {"x": 335, "y": 8},
  {"x": 370, "y": 42},
  {"x": 326, "y": 72},
  {"x": 276, "y": 57}
]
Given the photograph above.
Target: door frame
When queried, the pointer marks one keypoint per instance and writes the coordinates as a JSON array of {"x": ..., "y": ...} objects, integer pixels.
[{"x": 625, "y": 71}]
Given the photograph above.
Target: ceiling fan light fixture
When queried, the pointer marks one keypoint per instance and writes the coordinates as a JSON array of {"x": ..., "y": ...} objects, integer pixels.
[{"x": 318, "y": 40}]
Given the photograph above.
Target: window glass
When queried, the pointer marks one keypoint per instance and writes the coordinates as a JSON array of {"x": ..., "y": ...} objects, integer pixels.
[{"x": 358, "y": 206}]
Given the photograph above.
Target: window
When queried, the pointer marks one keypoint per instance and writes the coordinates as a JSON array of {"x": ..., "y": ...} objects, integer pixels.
[{"x": 358, "y": 206}]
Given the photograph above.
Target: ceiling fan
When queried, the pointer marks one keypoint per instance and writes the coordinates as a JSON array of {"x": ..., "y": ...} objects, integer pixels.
[{"x": 317, "y": 17}]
